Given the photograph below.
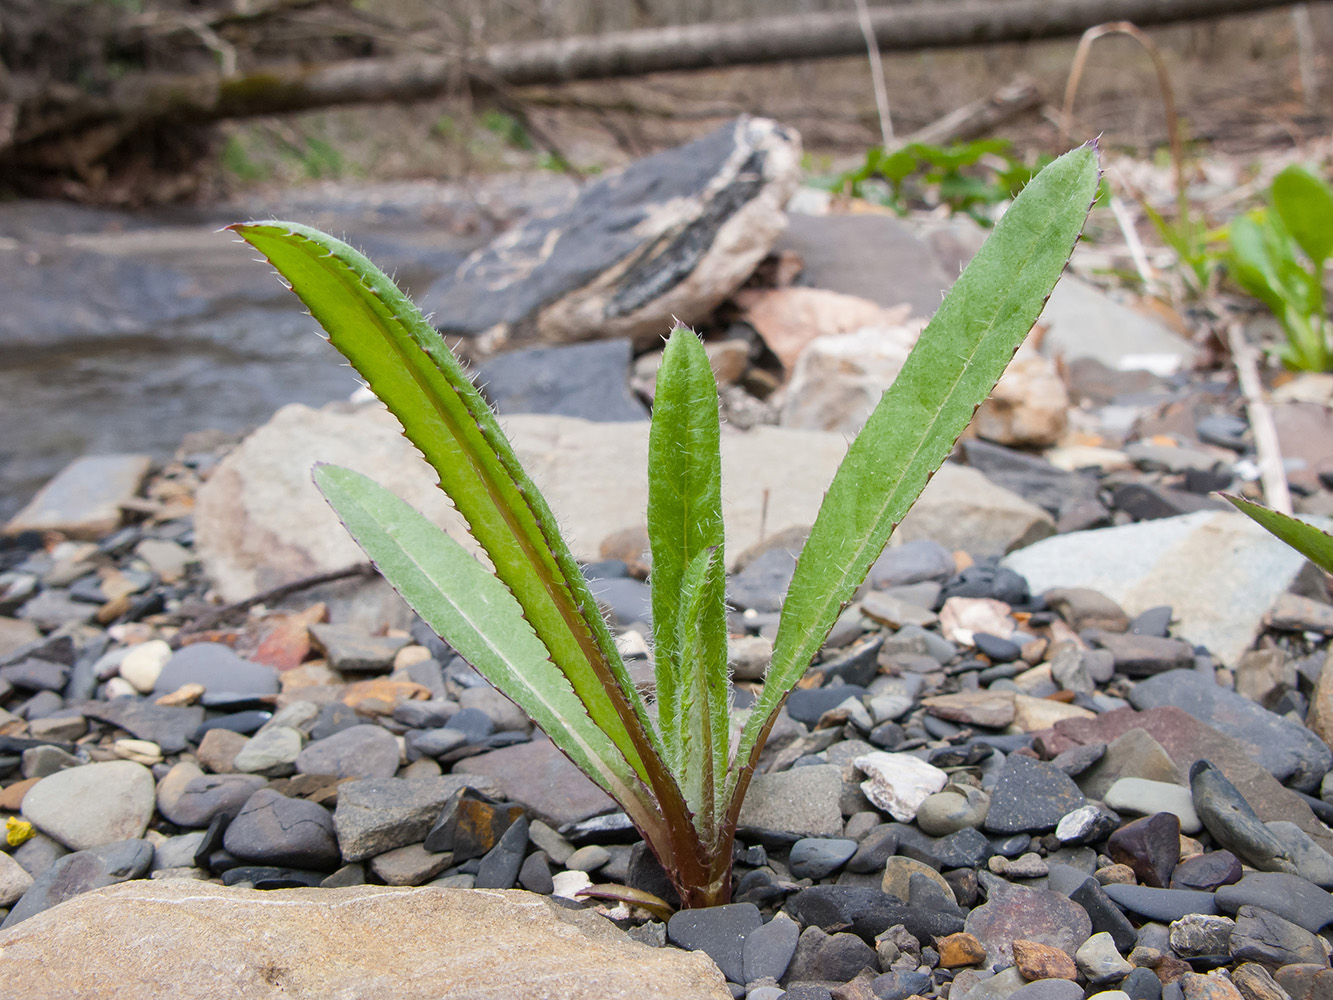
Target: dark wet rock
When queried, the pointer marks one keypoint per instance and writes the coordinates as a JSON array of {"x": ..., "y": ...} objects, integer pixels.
[
  {"x": 581, "y": 380},
  {"x": 1148, "y": 502},
  {"x": 1164, "y": 905},
  {"x": 431, "y": 714},
  {"x": 1151, "y": 846},
  {"x": 500, "y": 867},
  {"x": 475, "y": 725},
  {"x": 471, "y": 824},
  {"x": 817, "y": 857},
  {"x": 1034, "y": 479},
  {"x": 535, "y": 874},
  {"x": 967, "y": 848},
  {"x": 982, "y": 580},
  {"x": 767, "y": 950},
  {"x": 1144, "y": 655},
  {"x": 997, "y": 649},
  {"x": 168, "y": 727},
  {"x": 364, "y": 751},
  {"x": 434, "y": 743},
  {"x": 218, "y": 669},
  {"x": 719, "y": 932},
  {"x": 613, "y": 264},
  {"x": 1231, "y": 821},
  {"x": 1047, "y": 989},
  {"x": 1031, "y": 796},
  {"x": 1287, "y": 750},
  {"x": 273, "y": 829},
  {"x": 349, "y": 648},
  {"x": 835, "y": 957},
  {"x": 272, "y": 877},
  {"x": 900, "y": 984},
  {"x": 868, "y": 912},
  {"x": 1263, "y": 936},
  {"x": 375, "y": 815},
  {"x": 81, "y": 872},
  {"x": 1142, "y": 984},
  {"x": 912, "y": 562},
  {"x": 1031, "y": 914},
  {"x": 335, "y": 718},
  {"x": 1289, "y": 896},
  {"x": 763, "y": 583},
  {"x": 1077, "y": 760},
  {"x": 1207, "y": 872},
  {"x": 190, "y": 799},
  {"x": 237, "y": 722},
  {"x": 1187, "y": 740},
  {"x": 1313, "y": 863},
  {"x": 33, "y": 674},
  {"x": 874, "y": 849},
  {"x": 540, "y": 777},
  {"x": 1105, "y": 915}
]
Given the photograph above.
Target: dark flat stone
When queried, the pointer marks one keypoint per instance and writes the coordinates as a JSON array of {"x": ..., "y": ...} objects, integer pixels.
[
  {"x": 540, "y": 777},
  {"x": 1164, "y": 905},
  {"x": 169, "y": 727},
  {"x": 719, "y": 932},
  {"x": 590, "y": 381},
  {"x": 80, "y": 872},
  {"x": 1289, "y": 896},
  {"x": 1031, "y": 796}
]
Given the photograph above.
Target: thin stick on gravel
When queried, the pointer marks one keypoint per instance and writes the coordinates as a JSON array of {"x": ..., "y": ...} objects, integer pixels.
[
  {"x": 1268, "y": 453},
  {"x": 214, "y": 618}
]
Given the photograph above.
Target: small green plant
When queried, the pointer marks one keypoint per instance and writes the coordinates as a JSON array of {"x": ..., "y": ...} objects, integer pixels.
[
  {"x": 532, "y": 626},
  {"x": 970, "y": 177},
  {"x": 1279, "y": 254}
]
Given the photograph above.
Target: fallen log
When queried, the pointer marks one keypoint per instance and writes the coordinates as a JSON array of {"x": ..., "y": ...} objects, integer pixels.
[{"x": 47, "y": 130}]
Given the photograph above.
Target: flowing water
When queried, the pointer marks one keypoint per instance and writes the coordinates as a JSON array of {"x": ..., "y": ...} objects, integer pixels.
[{"x": 121, "y": 332}]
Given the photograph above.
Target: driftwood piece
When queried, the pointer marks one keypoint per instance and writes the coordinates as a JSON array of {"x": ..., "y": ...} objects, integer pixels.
[{"x": 981, "y": 116}]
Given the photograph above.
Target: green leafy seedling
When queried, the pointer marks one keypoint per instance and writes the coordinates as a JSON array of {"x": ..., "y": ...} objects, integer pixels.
[
  {"x": 1279, "y": 254},
  {"x": 532, "y": 627}
]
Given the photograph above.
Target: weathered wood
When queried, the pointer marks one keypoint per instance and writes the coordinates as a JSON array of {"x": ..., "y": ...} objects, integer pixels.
[{"x": 44, "y": 129}]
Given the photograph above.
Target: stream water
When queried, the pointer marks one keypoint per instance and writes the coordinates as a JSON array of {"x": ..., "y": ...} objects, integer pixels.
[{"x": 121, "y": 332}]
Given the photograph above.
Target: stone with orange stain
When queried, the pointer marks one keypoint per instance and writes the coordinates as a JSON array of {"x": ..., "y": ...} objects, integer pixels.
[
  {"x": 379, "y": 695},
  {"x": 286, "y": 644},
  {"x": 1042, "y": 961}
]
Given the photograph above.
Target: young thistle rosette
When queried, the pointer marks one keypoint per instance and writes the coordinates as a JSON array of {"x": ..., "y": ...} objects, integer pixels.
[{"x": 533, "y": 628}]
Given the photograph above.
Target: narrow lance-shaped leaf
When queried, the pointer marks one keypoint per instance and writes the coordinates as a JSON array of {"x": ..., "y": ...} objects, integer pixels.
[
  {"x": 704, "y": 688},
  {"x": 684, "y": 513},
  {"x": 408, "y": 366},
  {"x": 954, "y": 366},
  {"x": 1309, "y": 541},
  {"x": 476, "y": 614}
]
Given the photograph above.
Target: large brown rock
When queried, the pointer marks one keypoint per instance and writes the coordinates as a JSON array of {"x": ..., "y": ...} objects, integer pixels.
[{"x": 182, "y": 940}]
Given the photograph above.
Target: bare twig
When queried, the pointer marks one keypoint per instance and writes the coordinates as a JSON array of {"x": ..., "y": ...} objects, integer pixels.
[
  {"x": 876, "y": 73},
  {"x": 1122, "y": 218},
  {"x": 214, "y": 618},
  {"x": 1268, "y": 453}
]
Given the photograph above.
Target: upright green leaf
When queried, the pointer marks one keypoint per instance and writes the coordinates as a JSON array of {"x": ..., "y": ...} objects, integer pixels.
[
  {"x": 1305, "y": 204},
  {"x": 408, "y": 366},
  {"x": 684, "y": 514},
  {"x": 476, "y": 614},
  {"x": 704, "y": 688},
  {"x": 954, "y": 366},
  {"x": 1309, "y": 541}
]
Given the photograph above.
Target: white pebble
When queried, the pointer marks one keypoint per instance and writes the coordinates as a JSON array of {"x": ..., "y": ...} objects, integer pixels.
[{"x": 143, "y": 664}]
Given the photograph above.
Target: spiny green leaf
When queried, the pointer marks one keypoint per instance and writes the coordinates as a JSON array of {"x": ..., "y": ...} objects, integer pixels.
[
  {"x": 704, "y": 688},
  {"x": 476, "y": 614},
  {"x": 684, "y": 512},
  {"x": 408, "y": 366},
  {"x": 1309, "y": 541},
  {"x": 954, "y": 366}
]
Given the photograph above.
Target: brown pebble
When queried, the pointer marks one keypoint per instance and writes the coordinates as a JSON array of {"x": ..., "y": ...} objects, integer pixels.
[
  {"x": 186, "y": 694},
  {"x": 218, "y": 750},
  {"x": 11, "y": 799},
  {"x": 1170, "y": 968},
  {"x": 1210, "y": 987},
  {"x": 1116, "y": 875},
  {"x": 960, "y": 949},
  {"x": 1043, "y": 961}
]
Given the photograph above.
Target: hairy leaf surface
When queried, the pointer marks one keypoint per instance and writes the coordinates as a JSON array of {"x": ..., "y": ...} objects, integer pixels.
[{"x": 954, "y": 366}]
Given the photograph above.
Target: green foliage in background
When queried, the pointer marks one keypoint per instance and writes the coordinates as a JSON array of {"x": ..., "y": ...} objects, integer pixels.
[
  {"x": 532, "y": 627},
  {"x": 1279, "y": 254},
  {"x": 970, "y": 177}
]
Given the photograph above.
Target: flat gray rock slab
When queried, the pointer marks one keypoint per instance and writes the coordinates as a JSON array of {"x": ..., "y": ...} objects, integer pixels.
[
  {"x": 1219, "y": 572},
  {"x": 1082, "y": 321},
  {"x": 443, "y": 943},
  {"x": 539, "y": 776},
  {"x": 83, "y": 500},
  {"x": 260, "y": 521}
]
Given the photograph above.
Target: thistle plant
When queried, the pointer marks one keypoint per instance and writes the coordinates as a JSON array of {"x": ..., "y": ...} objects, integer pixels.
[{"x": 532, "y": 626}]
